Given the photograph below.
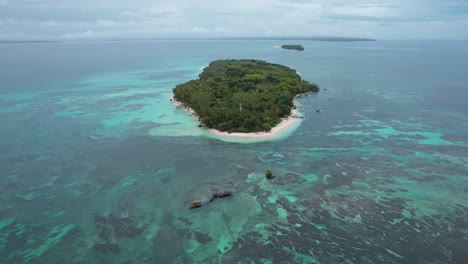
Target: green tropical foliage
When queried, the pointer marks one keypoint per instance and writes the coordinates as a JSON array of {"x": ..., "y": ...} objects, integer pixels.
[
  {"x": 294, "y": 47},
  {"x": 243, "y": 95}
]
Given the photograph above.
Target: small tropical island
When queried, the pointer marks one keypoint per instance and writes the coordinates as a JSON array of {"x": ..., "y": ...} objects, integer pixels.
[
  {"x": 244, "y": 96},
  {"x": 293, "y": 47}
]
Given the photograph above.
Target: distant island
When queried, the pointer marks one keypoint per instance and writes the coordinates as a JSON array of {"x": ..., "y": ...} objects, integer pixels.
[
  {"x": 293, "y": 47},
  {"x": 242, "y": 95},
  {"x": 28, "y": 41},
  {"x": 328, "y": 39}
]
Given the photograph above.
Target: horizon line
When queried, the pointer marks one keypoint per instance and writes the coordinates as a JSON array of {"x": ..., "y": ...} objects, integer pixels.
[
  {"x": 325, "y": 39},
  {"x": 194, "y": 38}
]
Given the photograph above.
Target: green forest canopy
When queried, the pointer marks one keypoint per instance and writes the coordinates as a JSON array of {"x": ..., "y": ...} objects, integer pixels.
[
  {"x": 294, "y": 47},
  {"x": 243, "y": 95}
]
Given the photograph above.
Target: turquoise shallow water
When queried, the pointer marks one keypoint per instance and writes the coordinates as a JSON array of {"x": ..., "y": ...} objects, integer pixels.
[{"x": 97, "y": 166}]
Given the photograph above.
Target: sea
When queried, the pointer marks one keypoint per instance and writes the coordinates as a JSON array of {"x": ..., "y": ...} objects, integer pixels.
[{"x": 98, "y": 166}]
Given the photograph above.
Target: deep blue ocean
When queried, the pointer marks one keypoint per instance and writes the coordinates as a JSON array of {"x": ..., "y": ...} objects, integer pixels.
[{"x": 97, "y": 165}]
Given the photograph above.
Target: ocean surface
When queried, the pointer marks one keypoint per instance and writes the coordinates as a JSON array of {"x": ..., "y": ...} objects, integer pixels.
[{"x": 97, "y": 165}]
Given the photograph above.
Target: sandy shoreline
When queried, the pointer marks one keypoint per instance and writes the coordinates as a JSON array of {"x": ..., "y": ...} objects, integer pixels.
[{"x": 273, "y": 133}]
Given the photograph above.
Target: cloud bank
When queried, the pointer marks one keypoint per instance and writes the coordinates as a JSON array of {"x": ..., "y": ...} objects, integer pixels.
[{"x": 106, "y": 19}]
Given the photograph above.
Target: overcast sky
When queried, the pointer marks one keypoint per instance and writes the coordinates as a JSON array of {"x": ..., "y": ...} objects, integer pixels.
[{"x": 116, "y": 19}]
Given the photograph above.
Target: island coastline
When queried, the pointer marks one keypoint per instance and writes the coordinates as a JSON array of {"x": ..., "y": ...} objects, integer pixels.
[
  {"x": 292, "y": 47},
  {"x": 275, "y": 132}
]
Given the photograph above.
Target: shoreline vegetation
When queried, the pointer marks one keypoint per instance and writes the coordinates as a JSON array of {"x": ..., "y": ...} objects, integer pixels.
[
  {"x": 292, "y": 47},
  {"x": 243, "y": 97},
  {"x": 273, "y": 133}
]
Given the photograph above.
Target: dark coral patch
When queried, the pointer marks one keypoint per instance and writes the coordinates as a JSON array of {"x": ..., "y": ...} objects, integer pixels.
[
  {"x": 202, "y": 237},
  {"x": 358, "y": 230},
  {"x": 120, "y": 226},
  {"x": 427, "y": 178},
  {"x": 111, "y": 227},
  {"x": 185, "y": 220},
  {"x": 106, "y": 248}
]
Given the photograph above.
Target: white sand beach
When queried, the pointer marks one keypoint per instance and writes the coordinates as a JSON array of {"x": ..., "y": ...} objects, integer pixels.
[{"x": 275, "y": 132}]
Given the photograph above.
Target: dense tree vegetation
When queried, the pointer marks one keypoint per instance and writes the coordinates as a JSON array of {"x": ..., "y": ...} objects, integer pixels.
[
  {"x": 269, "y": 174},
  {"x": 242, "y": 95},
  {"x": 294, "y": 47}
]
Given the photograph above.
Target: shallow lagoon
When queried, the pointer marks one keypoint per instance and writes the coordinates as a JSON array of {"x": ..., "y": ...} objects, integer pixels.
[{"x": 98, "y": 167}]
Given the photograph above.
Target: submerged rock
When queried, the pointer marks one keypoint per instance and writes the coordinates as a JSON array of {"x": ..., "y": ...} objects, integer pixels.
[
  {"x": 220, "y": 195},
  {"x": 195, "y": 204}
]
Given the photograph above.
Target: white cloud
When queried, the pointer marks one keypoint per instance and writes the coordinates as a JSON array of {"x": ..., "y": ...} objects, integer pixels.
[
  {"x": 365, "y": 10},
  {"x": 165, "y": 9},
  {"x": 210, "y": 18},
  {"x": 51, "y": 23},
  {"x": 221, "y": 29},
  {"x": 106, "y": 23},
  {"x": 81, "y": 35},
  {"x": 198, "y": 29}
]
